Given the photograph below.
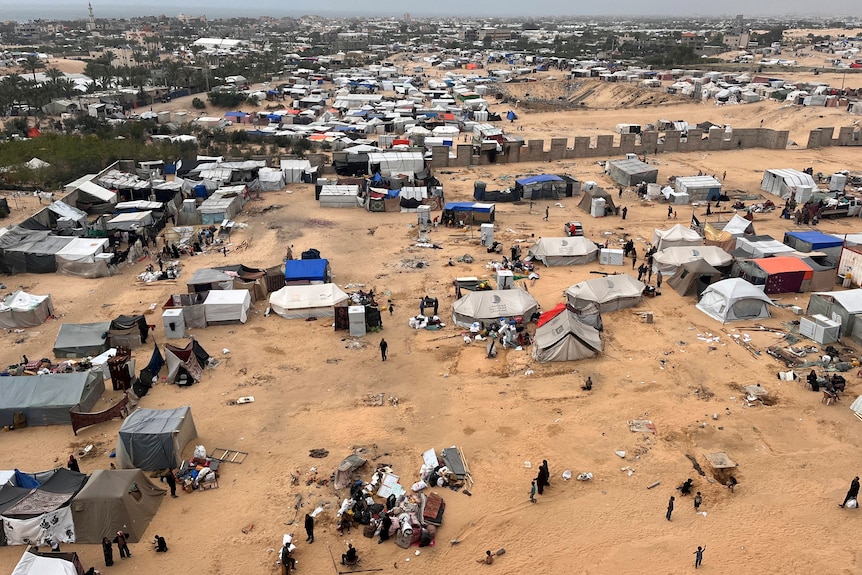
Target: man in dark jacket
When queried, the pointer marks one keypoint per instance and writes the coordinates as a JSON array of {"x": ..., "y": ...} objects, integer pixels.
[
  {"x": 309, "y": 528},
  {"x": 853, "y": 492}
]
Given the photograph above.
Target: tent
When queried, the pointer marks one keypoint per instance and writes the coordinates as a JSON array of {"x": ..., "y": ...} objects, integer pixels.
[
  {"x": 303, "y": 272},
  {"x": 82, "y": 257},
  {"x": 227, "y": 306},
  {"x": 693, "y": 277},
  {"x": 47, "y": 399},
  {"x": 759, "y": 247},
  {"x": 699, "y": 188},
  {"x": 788, "y": 183},
  {"x": 270, "y": 179},
  {"x": 543, "y": 186},
  {"x": 610, "y": 293},
  {"x": 35, "y": 252},
  {"x": 207, "y": 279},
  {"x": 822, "y": 277},
  {"x": 81, "y": 339},
  {"x": 185, "y": 364},
  {"x": 631, "y": 172},
  {"x": 33, "y": 564},
  {"x": 491, "y": 305},
  {"x": 223, "y": 204},
  {"x": 724, "y": 234},
  {"x": 305, "y": 301},
  {"x": 395, "y": 163},
  {"x": 115, "y": 500},
  {"x": 343, "y": 196},
  {"x": 129, "y": 331},
  {"x": 130, "y": 221},
  {"x": 669, "y": 260},
  {"x": 564, "y": 251},
  {"x": 565, "y": 338},
  {"x": 21, "y": 309},
  {"x": 843, "y": 306},
  {"x": 589, "y": 195},
  {"x": 777, "y": 275},
  {"x": 294, "y": 170},
  {"x": 815, "y": 241},
  {"x": 152, "y": 439},
  {"x": 678, "y": 235},
  {"x": 734, "y": 299}
]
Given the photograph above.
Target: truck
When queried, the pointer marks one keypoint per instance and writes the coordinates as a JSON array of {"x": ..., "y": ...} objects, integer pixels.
[{"x": 846, "y": 206}]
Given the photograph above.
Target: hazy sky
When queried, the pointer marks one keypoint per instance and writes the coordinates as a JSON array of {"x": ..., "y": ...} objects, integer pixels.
[{"x": 222, "y": 8}]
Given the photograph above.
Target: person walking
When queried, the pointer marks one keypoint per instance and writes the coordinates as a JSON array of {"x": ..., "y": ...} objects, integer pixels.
[
  {"x": 171, "y": 480},
  {"x": 634, "y": 257},
  {"x": 621, "y": 193},
  {"x": 698, "y": 499},
  {"x": 309, "y": 528},
  {"x": 853, "y": 492},
  {"x": 669, "y": 211},
  {"x": 391, "y": 308},
  {"x": 543, "y": 477},
  {"x": 108, "y": 551},
  {"x": 122, "y": 545},
  {"x": 533, "y": 491},
  {"x": 625, "y": 211},
  {"x": 658, "y": 278},
  {"x": 72, "y": 464},
  {"x": 698, "y": 556},
  {"x": 547, "y": 213},
  {"x": 669, "y": 508},
  {"x": 384, "y": 347}
]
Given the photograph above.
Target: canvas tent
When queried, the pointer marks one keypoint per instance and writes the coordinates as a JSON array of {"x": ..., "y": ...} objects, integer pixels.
[
  {"x": 843, "y": 306},
  {"x": 788, "y": 184},
  {"x": 589, "y": 195},
  {"x": 564, "y": 338},
  {"x": 631, "y": 172},
  {"x": 734, "y": 299},
  {"x": 698, "y": 188},
  {"x": 33, "y": 564},
  {"x": 21, "y": 309},
  {"x": 114, "y": 500},
  {"x": 693, "y": 277},
  {"x": 724, "y": 234},
  {"x": 669, "y": 260},
  {"x": 129, "y": 331},
  {"x": 543, "y": 186},
  {"x": 294, "y": 170},
  {"x": 152, "y": 439},
  {"x": 303, "y": 272},
  {"x": 47, "y": 399},
  {"x": 305, "y": 301},
  {"x": 83, "y": 257},
  {"x": 270, "y": 179},
  {"x": 223, "y": 306},
  {"x": 130, "y": 221},
  {"x": 610, "y": 293},
  {"x": 185, "y": 364},
  {"x": 815, "y": 241},
  {"x": 567, "y": 251},
  {"x": 206, "y": 279},
  {"x": 491, "y": 305},
  {"x": 777, "y": 274},
  {"x": 677, "y": 235},
  {"x": 82, "y": 339}
]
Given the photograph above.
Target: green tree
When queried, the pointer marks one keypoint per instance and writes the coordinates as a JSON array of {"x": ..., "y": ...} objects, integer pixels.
[{"x": 31, "y": 64}]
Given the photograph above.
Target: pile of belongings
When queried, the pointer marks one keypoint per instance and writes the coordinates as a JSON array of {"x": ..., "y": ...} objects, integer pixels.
[
  {"x": 197, "y": 470},
  {"x": 510, "y": 332},
  {"x": 425, "y": 322}
]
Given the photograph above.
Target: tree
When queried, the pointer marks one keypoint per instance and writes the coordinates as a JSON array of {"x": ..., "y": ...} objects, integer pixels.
[{"x": 31, "y": 64}]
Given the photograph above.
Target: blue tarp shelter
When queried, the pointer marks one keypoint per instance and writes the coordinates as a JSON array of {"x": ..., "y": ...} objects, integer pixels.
[{"x": 303, "y": 272}]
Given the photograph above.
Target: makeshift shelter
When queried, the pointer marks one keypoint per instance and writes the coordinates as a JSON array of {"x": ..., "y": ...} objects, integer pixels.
[
  {"x": 564, "y": 338},
  {"x": 270, "y": 179},
  {"x": 677, "y": 235},
  {"x": 734, "y": 299},
  {"x": 21, "y": 309},
  {"x": 47, "y": 399},
  {"x": 843, "y": 306},
  {"x": 631, "y": 172},
  {"x": 777, "y": 274},
  {"x": 693, "y": 277},
  {"x": 227, "y": 306},
  {"x": 81, "y": 339},
  {"x": 130, "y": 221},
  {"x": 815, "y": 241},
  {"x": 85, "y": 258},
  {"x": 185, "y": 364},
  {"x": 30, "y": 251},
  {"x": 789, "y": 184},
  {"x": 543, "y": 186},
  {"x": 822, "y": 277},
  {"x": 669, "y": 260},
  {"x": 339, "y": 196},
  {"x": 129, "y": 331},
  {"x": 698, "y": 188},
  {"x": 596, "y": 193},
  {"x": 345, "y": 469},
  {"x": 610, "y": 293},
  {"x": 207, "y": 279},
  {"x": 223, "y": 204},
  {"x": 492, "y": 305},
  {"x": 91, "y": 197},
  {"x": 115, "y": 500},
  {"x": 724, "y": 234},
  {"x": 304, "y": 272},
  {"x": 152, "y": 439},
  {"x": 295, "y": 170},
  {"x": 34, "y": 564},
  {"x": 396, "y": 163},
  {"x": 567, "y": 251},
  {"x": 37, "y": 507},
  {"x": 759, "y": 247},
  {"x": 305, "y": 301}
]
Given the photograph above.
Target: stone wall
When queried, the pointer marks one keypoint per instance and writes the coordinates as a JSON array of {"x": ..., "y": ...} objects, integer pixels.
[
  {"x": 823, "y": 137},
  {"x": 603, "y": 146}
]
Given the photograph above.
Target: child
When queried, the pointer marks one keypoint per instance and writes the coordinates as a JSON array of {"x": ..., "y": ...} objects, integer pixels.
[{"x": 533, "y": 491}]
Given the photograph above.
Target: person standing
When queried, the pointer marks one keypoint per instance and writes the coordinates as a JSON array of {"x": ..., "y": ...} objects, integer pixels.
[
  {"x": 384, "y": 347},
  {"x": 658, "y": 278},
  {"x": 641, "y": 271},
  {"x": 649, "y": 272},
  {"x": 547, "y": 213},
  {"x": 698, "y": 499},
  {"x": 542, "y": 478},
  {"x": 309, "y": 528},
  {"x": 634, "y": 253},
  {"x": 669, "y": 211},
  {"x": 108, "y": 551},
  {"x": 171, "y": 480},
  {"x": 853, "y": 492},
  {"x": 533, "y": 491},
  {"x": 391, "y": 308},
  {"x": 698, "y": 556},
  {"x": 621, "y": 193},
  {"x": 73, "y": 464},
  {"x": 625, "y": 211},
  {"x": 122, "y": 545},
  {"x": 669, "y": 508}
]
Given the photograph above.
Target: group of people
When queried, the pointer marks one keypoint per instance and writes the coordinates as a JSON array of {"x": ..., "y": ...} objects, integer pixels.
[{"x": 833, "y": 385}]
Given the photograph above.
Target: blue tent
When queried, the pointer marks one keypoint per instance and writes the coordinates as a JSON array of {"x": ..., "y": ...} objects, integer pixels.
[
  {"x": 511, "y": 116},
  {"x": 541, "y": 178},
  {"x": 816, "y": 240},
  {"x": 306, "y": 271},
  {"x": 459, "y": 206}
]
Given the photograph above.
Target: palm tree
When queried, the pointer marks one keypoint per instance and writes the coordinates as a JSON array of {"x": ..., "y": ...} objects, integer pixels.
[
  {"x": 31, "y": 64},
  {"x": 54, "y": 74}
]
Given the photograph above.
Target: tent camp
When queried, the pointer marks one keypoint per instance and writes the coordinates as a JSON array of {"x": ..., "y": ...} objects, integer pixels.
[
  {"x": 21, "y": 309},
  {"x": 564, "y": 338},
  {"x": 47, "y": 399},
  {"x": 734, "y": 299},
  {"x": 84, "y": 257},
  {"x": 789, "y": 184},
  {"x": 543, "y": 186},
  {"x": 82, "y": 339},
  {"x": 114, "y": 500},
  {"x": 586, "y": 203},
  {"x": 304, "y": 272},
  {"x": 777, "y": 275},
  {"x": 610, "y": 293},
  {"x": 227, "y": 306},
  {"x": 305, "y": 301},
  {"x": 815, "y": 241},
  {"x": 677, "y": 235},
  {"x": 491, "y": 305},
  {"x": 693, "y": 277},
  {"x": 669, "y": 260},
  {"x": 564, "y": 251},
  {"x": 631, "y": 172},
  {"x": 185, "y": 364},
  {"x": 152, "y": 439},
  {"x": 698, "y": 188},
  {"x": 33, "y": 564},
  {"x": 843, "y": 306}
]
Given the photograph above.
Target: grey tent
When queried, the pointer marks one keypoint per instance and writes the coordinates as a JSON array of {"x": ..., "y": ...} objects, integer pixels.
[
  {"x": 609, "y": 293},
  {"x": 564, "y": 251},
  {"x": 693, "y": 277},
  {"x": 565, "y": 338},
  {"x": 345, "y": 469},
  {"x": 115, "y": 500},
  {"x": 21, "y": 309},
  {"x": 492, "y": 305},
  {"x": 207, "y": 279},
  {"x": 586, "y": 202},
  {"x": 153, "y": 439},
  {"x": 631, "y": 172},
  {"x": 47, "y": 399},
  {"x": 82, "y": 339}
]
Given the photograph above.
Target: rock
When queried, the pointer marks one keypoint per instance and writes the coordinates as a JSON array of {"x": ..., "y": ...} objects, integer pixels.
[{"x": 621, "y": 453}]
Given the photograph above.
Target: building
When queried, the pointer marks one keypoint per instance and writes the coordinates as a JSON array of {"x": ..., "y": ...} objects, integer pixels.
[
  {"x": 737, "y": 40},
  {"x": 495, "y": 34},
  {"x": 693, "y": 41}
]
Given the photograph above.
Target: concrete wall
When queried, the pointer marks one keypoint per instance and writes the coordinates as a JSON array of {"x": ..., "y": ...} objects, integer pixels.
[
  {"x": 603, "y": 146},
  {"x": 823, "y": 137}
]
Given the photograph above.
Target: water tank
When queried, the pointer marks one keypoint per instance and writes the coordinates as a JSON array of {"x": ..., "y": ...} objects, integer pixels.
[
  {"x": 175, "y": 325},
  {"x": 356, "y": 320},
  {"x": 597, "y": 208}
]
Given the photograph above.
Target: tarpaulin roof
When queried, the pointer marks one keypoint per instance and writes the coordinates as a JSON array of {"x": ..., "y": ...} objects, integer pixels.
[
  {"x": 152, "y": 439},
  {"x": 47, "y": 399},
  {"x": 81, "y": 339},
  {"x": 305, "y": 270},
  {"x": 851, "y": 300},
  {"x": 818, "y": 240},
  {"x": 538, "y": 179},
  {"x": 778, "y": 265}
]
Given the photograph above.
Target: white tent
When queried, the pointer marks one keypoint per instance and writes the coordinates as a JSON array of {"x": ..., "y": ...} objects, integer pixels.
[
  {"x": 762, "y": 246},
  {"x": 610, "y": 293},
  {"x": 698, "y": 188},
  {"x": 31, "y": 564},
  {"x": 564, "y": 251},
  {"x": 394, "y": 163},
  {"x": 81, "y": 258},
  {"x": 343, "y": 196},
  {"x": 270, "y": 179},
  {"x": 21, "y": 309},
  {"x": 678, "y": 235},
  {"x": 491, "y": 305},
  {"x": 788, "y": 183},
  {"x": 130, "y": 221},
  {"x": 668, "y": 260},
  {"x": 565, "y": 338},
  {"x": 294, "y": 169},
  {"x": 734, "y": 299},
  {"x": 140, "y": 205},
  {"x": 230, "y": 305},
  {"x": 304, "y": 301}
]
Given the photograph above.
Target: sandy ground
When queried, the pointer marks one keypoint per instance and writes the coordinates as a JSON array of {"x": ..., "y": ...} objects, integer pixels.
[{"x": 795, "y": 458}]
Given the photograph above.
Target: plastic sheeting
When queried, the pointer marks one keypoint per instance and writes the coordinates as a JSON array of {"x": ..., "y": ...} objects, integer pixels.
[
  {"x": 47, "y": 399},
  {"x": 22, "y": 309},
  {"x": 151, "y": 439},
  {"x": 56, "y": 525}
]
